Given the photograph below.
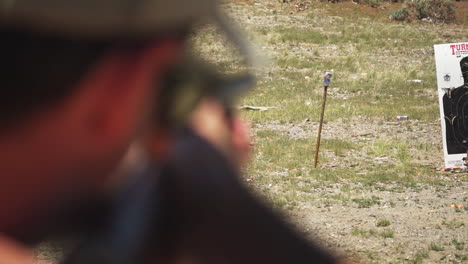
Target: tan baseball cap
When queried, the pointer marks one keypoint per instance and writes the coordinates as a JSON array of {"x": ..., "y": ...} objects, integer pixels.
[{"x": 105, "y": 18}]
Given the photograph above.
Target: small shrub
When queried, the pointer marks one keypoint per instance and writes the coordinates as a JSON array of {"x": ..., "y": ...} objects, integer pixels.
[
  {"x": 332, "y": 1},
  {"x": 359, "y": 232},
  {"x": 367, "y": 202},
  {"x": 458, "y": 245},
  {"x": 387, "y": 234},
  {"x": 382, "y": 223},
  {"x": 419, "y": 257},
  {"x": 453, "y": 224},
  {"x": 373, "y": 232},
  {"x": 435, "y": 10},
  {"x": 429, "y": 10},
  {"x": 373, "y": 3},
  {"x": 401, "y": 14},
  {"x": 435, "y": 247}
]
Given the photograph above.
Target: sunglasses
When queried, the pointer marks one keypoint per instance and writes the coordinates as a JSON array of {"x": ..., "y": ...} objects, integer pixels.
[{"x": 192, "y": 80}]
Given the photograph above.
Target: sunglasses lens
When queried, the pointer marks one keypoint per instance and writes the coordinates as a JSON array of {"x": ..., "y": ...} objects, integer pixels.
[{"x": 187, "y": 83}]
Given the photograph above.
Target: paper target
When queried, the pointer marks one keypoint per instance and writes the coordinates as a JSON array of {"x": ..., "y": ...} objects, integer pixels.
[{"x": 452, "y": 82}]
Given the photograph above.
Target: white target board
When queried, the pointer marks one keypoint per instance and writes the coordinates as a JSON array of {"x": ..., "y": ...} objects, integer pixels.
[{"x": 452, "y": 82}]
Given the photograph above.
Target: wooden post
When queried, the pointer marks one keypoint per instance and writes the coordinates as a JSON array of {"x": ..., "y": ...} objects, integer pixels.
[
  {"x": 326, "y": 82},
  {"x": 325, "y": 88}
]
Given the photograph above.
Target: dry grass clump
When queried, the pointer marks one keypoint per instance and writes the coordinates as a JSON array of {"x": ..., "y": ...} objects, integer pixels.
[{"x": 442, "y": 11}]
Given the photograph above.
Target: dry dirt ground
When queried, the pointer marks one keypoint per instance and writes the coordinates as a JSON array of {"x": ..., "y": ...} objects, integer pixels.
[
  {"x": 422, "y": 222},
  {"x": 425, "y": 223}
]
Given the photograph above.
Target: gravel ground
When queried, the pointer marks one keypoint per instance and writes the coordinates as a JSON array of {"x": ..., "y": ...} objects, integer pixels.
[
  {"x": 421, "y": 221},
  {"x": 428, "y": 223}
]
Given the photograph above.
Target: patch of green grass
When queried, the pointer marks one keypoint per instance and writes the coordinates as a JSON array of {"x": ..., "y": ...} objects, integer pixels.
[
  {"x": 402, "y": 153},
  {"x": 278, "y": 152},
  {"x": 390, "y": 147},
  {"x": 419, "y": 257},
  {"x": 458, "y": 245},
  {"x": 436, "y": 247},
  {"x": 367, "y": 202},
  {"x": 384, "y": 94},
  {"x": 398, "y": 189},
  {"x": 299, "y": 35},
  {"x": 338, "y": 146},
  {"x": 400, "y": 248},
  {"x": 372, "y": 233},
  {"x": 296, "y": 62},
  {"x": 372, "y": 255},
  {"x": 290, "y": 91},
  {"x": 401, "y": 14},
  {"x": 425, "y": 146},
  {"x": 363, "y": 233},
  {"x": 288, "y": 164},
  {"x": 278, "y": 202},
  {"x": 387, "y": 234},
  {"x": 286, "y": 200},
  {"x": 461, "y": 257},
  {"x": 373, "y": 3},
  {"x": 380, "y": 148},
  {"x": 340, "y": 197},
  {"x": 453, "y": 224},
  {"x": 275, "y": 152},
  {"x": 382, "y": 223}
]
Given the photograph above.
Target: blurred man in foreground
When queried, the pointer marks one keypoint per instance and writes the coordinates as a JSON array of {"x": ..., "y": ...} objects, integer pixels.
[{"x": 87, "y": 111}]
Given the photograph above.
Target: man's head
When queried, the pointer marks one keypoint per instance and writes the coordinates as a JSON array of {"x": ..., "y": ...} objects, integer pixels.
[
  {"x": 79, "y": 80},
  {"x": 464, "y": 69},
  {"x": 64, "y": 38}
]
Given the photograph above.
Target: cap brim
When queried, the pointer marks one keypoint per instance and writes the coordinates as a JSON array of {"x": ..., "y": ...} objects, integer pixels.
[{"x": 104, "y": 18}]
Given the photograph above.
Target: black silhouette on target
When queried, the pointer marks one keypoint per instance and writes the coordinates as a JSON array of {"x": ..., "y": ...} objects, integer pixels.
[{"x": 455, "y": 103}]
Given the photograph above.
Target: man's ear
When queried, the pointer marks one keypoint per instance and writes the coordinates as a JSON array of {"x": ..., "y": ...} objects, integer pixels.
[{"x": 115, "y": 96}]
